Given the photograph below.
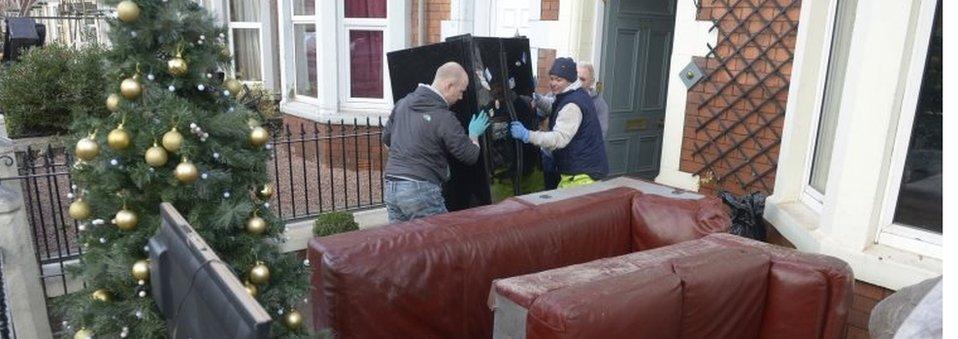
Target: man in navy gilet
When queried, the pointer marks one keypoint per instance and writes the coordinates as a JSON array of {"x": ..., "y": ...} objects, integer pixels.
[{"x": 575, "y": 136}]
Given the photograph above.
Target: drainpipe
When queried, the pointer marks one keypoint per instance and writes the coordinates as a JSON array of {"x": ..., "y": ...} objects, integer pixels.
[{"x": 421, "y": 14}]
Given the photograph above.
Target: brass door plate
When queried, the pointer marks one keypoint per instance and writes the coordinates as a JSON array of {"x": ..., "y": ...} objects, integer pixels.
[{"x": 637, "y": 124}]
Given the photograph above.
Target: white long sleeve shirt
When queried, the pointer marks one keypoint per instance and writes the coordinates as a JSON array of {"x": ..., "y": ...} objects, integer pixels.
[{"x": 567, "y": 124}]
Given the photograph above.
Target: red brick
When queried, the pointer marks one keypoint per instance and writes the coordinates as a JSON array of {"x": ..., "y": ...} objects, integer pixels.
[
  {"x": 863, "y": 303},
  {"x": 856, "y": 333},
  {"x": 869, "y": 291}
]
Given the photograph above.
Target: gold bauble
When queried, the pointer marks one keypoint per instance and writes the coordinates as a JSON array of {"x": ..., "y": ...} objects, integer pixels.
[
  {"x": 256, "y": 225},
  {"x": 118, "y": 139},
  {"x": 266, "y": 191},
  {"x": 101, "y": 295},
  {"x": 292, "y": 320},
  {"x": 251, "y": 289},
  {"x": 87, "y": 149},
  {"x": 127, "y": 11},
  {"x": 83, "y": 334},
  {"x": 259, "y": 274},
  {"x": 172, "y": 140},
  {"x": 141, "y": 270},
  {"x": 113, "y": 102},
  {"x": 130, "y": 88},
  {"x": 234, "y": 86},
  {"x": 225, "y": 52},
  {"x": 177, "y": 66},
  {"x": 156, "y": 156},
  {"x": 80, "y": 210},
  {"x": 186, "y": 172},
  {"x": 126, "y": 220},
  {"x": 258, "y": 136}
]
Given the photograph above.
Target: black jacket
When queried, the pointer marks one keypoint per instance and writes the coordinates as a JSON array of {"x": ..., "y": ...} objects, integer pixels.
[{"x": 420, "y": 133}]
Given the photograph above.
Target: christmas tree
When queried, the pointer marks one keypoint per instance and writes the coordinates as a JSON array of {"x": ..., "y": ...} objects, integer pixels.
[{"x": 162, "y": 73}]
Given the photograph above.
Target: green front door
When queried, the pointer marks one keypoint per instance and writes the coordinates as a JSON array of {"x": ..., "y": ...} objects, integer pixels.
[{"x": 637, "y": 46}]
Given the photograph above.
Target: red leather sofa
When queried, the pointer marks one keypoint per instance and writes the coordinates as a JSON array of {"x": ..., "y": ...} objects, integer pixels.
[
  {"x": 720, "y": 286},
  {"x": 431, "y": 278}
]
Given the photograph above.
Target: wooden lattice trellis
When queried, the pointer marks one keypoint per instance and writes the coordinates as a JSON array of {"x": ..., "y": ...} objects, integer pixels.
[{"x": 736, "y": 111}]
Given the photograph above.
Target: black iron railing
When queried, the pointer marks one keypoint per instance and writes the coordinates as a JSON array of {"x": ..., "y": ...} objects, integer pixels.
[
  {"x": 314, "y": 167},
  {"x": 322, "y": 167}
]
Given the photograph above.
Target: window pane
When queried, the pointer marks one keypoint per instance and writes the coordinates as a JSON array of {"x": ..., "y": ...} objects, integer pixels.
[
  {"x": 246, "y": 54},
  {"x": 244, "y": 10},
  {"x": 304, "y": 7},
  {"x": 365, "y": 8},
  {"x": 832, "y": 101},
  {"x": 919, "y": 200},
  {"x": 305, "y": 41},
  {"x": 366, "y": 64}
]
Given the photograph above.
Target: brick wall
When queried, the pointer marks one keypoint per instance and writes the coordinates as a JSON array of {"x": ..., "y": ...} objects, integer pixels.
[
  {"x": 546, "y": 57},
  {"x": 436, "y": 12},
  {"x": 865, "y": 298},
  {"x": 549, "y": 10},
  {"x": 734, "y": 116}
]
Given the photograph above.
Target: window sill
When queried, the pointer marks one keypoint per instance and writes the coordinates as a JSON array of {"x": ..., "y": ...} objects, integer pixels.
[
  {"x": 313, "y": 111},
  {"x": 877, "y": 264}
]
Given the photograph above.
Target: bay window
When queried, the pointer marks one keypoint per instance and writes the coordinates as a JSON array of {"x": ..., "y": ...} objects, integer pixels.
[
  {"x": 912, "y": 213},
  {"x": 336, "y": 60},
  {"x": 831, "y": 100}
]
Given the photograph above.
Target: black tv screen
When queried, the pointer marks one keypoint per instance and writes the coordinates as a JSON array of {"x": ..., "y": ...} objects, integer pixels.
[{"x": 196, "y": 292}]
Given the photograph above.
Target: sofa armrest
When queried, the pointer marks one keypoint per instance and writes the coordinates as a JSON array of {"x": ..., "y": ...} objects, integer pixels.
[{"x": 660, "y": 221}]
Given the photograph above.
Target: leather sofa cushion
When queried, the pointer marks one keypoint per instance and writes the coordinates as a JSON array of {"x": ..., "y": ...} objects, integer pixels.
[
  {"x": 724, "y": 293},
  {"x": 659, "y": 221},
  {"x": 837, "y": 274},
  {"x": 797, "y": 301}
]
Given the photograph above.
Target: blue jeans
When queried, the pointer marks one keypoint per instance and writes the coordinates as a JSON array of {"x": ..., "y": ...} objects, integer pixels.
[{"x": 407, "y": 200}]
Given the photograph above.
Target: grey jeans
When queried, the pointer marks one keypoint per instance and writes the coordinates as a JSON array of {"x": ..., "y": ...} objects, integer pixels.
[{"x": 408, "y": 199}]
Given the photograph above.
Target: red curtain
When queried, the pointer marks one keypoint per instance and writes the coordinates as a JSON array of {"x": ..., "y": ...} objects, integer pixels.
[
  {"x": 365, "y": 8},
  {"x": 366, "y": 64}
]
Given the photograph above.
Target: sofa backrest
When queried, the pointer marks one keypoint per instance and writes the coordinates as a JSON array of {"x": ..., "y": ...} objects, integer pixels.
[
  {"x": 660, "y": 221},
  {"x": 721, "y": 286},
  {"x": 431, "y": 277}
]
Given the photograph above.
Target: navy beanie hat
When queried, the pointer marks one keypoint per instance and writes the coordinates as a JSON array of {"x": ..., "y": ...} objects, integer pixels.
[{"x": 564, "y": 68}]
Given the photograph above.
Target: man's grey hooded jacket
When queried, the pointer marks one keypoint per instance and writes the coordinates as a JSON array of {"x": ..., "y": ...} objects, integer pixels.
[{"x": 421, "y": 133}]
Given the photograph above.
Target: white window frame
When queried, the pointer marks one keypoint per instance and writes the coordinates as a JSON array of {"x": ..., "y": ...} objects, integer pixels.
[
  {"x": 288, "y": 36},
  {"x": 220, "y": 9},
  {"x": 890, "y": 233},
  {"x": 332, "y": 29},
  {"x": 258, "y": 26},
  {"x": 347, "y": 101},
  {"x": 810, "y": 196}
]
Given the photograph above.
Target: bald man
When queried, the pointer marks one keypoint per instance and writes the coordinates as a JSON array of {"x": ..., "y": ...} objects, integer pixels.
[{"x": 420, "y": 132}]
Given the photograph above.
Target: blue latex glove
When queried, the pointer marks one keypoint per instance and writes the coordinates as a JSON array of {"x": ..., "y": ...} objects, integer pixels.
[
  {"x": 478, "y": 125},
  {"x": 518, "y": 131}
]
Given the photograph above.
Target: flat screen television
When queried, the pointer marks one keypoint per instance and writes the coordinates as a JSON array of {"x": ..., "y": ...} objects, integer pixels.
[{"x": 196, "y": 292}]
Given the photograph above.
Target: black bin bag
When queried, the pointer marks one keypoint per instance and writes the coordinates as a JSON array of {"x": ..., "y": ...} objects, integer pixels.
[{"x": 747, "y": 213}]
